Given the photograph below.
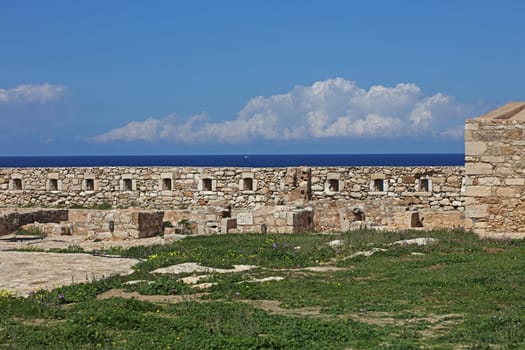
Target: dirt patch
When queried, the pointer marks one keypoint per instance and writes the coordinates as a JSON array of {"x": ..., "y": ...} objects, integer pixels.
[
  {"x": 437, "y": 323},
  {"x": 274, "y": 307},
  {"x": 492, "y": 250},
  {"x": 173, "y": 299},
  {"x": 436, "y": 267}
]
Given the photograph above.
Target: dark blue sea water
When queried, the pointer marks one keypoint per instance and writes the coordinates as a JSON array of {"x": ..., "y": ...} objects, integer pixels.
[{"x": 259, "y": 160}]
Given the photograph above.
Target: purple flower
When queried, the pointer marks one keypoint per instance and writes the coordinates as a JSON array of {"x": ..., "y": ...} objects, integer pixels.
[
  {"x": 61, "y": 296},
  {"x": 275, "y": 245}
]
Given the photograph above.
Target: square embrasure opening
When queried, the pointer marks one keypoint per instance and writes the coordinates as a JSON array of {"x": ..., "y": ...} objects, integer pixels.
[
  {"x": 247, "y": 184},
  {"x": 52, "y": 184},
  {"x": 127, "y": 184},
  {"x": 424, "y": 185},
  {"x": 17, "y": 184},
  {"x": 207, "y": 184},
  {"x": 379, "y": 185},
  {"x": 166, "y": 184},
  {"x": 333, "y": 185},
  {"x": 89, "y": 184}
]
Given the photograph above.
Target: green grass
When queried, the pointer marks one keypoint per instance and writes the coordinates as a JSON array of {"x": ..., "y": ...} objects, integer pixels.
[
  {"x": 459, "y": 293},
  {"x": 32, "y": 231}
]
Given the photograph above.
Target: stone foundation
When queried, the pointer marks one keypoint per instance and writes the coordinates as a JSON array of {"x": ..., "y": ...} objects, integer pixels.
[
  {"x": 10, "y": 221},
  {"x": 116, "y": 224}
]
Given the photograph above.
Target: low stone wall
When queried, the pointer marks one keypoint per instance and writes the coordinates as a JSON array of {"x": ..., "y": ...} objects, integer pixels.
[
  {"x": 116, "y": 224},
  {"x": 211, "y": 220},
  {"x": 279, "y": 219},
  {"x": 10, "y": 221}
]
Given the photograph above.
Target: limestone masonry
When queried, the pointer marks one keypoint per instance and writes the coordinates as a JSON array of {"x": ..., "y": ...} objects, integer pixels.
[
  {"x": 485, "y": 196},
  {"x": 495, "y": 172}
]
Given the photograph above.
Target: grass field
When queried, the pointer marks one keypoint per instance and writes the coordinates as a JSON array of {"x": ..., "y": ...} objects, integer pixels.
[{"x": 459, "y": 292}]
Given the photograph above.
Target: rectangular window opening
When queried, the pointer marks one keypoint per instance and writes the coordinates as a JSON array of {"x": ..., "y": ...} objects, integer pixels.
[
  {"x": 379, "y": 185},
  {"x": 17, "y": 184},
  {"x": 206, "y": 184},
  {"x": 424, "y": 185},
  {"x": 166, "y": 184},
  {"x": 248, "y": 184},
  {"x": 53, "y": 184},
  {"x": 333, "y": 185},
  {"x": 90, "y": 185},
  {"x": 127, "y": 185}
]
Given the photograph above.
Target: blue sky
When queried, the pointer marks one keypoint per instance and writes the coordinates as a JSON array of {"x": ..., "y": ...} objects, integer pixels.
[{"x": 245, "y": 77}]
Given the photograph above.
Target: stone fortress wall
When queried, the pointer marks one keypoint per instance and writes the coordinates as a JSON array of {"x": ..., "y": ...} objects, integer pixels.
[
  {"x": 387, "y": 196},
  {"x": 486, "y": 195},
  {"x": 495, "y": 172}
]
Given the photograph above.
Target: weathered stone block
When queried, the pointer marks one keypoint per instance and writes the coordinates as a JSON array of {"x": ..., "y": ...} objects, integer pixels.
[
  {"x": 505, "y": 192},
  {"x": 475, "y": 148},
  {"x": 515, "y": 182},
  {"x": 245, "y": 219},
  {"x": 478, "y": 191},
  {"x": 478, "y": 169},
  {"x": 477, "y": 211}
]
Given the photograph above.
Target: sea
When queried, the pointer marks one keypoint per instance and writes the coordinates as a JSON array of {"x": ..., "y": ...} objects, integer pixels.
[{"x": 239, "y": 160}]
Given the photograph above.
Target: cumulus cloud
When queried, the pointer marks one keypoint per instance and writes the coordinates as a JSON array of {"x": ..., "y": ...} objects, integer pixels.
[
  {"x": 457, "y": 132},
  {"x": 31, "y": 93},
  {"x": 326, "y": 109}
]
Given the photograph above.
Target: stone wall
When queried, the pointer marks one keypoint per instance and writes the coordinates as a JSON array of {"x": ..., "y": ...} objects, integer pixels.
[
  {"x": 387, "y": 196},
  {"x": 176, "y": 188},
  {"x": 10, "y": 221},
  {"x": 116, "y": 224},
  {"x": 495, "y": 172}
]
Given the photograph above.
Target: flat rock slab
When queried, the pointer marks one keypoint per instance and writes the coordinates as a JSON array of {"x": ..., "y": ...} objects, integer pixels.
[
  {"x": 26, "y": 272},
  {"x": 10, "y": 242},
  {"x": 420, "y": 241},
  {"x": 191, "y": 267}
]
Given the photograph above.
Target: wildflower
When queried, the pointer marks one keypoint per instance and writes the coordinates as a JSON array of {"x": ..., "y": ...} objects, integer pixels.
[
  {"x": 275, "y": 245},
  {"x": 237, "y": 293}
]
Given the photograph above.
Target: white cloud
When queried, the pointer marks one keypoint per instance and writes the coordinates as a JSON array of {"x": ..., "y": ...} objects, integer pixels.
[
  {"x": 31, "y": 93},
  {"x": 146, "y": 130},
  {"x": 457, "y": 132},
  {"x": 330, "y": 108}
]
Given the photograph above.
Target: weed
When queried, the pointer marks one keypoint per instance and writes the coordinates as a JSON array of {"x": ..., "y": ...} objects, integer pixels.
[{"x": 30, "y": 231}]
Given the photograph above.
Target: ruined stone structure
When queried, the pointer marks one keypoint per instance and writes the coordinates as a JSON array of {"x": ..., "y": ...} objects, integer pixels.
[
  {"x": 275, "y": 199},
  {"x": 486, "y": 195},
  {"x": 495, "y": 172}
]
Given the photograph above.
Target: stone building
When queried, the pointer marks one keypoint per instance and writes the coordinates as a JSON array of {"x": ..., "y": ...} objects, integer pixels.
[{"x": 495, "y": 172}]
